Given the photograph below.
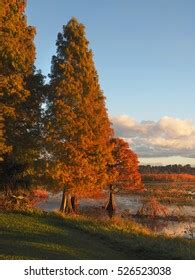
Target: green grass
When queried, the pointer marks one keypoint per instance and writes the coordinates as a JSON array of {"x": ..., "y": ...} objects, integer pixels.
[{"x": 51, "y": 236}]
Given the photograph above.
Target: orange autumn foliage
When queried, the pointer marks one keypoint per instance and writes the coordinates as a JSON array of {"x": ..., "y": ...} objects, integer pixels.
[
  {"x": 17, "y": 54},
  {"x": 78, "y": 130},
  {"x": 124, "y": 170}
]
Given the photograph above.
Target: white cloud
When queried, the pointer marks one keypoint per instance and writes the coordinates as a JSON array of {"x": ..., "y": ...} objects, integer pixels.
[
  {"x": 176, "y": 143},
  {"x": 166, "y": 137},
  {"x": 175, "y": 127}
]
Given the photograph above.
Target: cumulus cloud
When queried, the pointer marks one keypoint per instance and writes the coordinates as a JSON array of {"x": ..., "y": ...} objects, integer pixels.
[
  {"x": 167, "y": 137},
  {"x": 176, "y": 127}
]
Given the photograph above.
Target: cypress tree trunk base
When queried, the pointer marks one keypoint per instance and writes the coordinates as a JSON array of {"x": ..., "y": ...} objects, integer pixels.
[
  {"x": 68, "y": 203},
  {"x": 74, "y": 203},
  {"x": 63, "y": 202},
  {"x": 111, "y": 205},
  {"x": 68, "y": 208}
]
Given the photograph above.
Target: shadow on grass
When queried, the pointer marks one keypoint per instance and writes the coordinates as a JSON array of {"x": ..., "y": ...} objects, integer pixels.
[
  {"x": 51, "y": 239},
  {"x": 33, "y": 245},
  {"x": 43, "y": 236},
  {"x": 133, "y": 246}
]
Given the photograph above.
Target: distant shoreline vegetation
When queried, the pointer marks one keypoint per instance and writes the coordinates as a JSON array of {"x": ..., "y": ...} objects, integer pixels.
[{"x": 168, "y": 169}]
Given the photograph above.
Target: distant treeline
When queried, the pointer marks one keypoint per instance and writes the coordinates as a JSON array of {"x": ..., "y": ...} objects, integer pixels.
[
  {"x": 166, "y": 177},
  {"x": 168, "y": 169}
]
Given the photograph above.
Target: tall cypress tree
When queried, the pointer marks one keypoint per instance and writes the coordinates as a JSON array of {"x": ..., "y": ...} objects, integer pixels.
[
  {"x": 20, "y": 92},
  {"x": 78, "y": 130},
  {"x": 17, "y": 54}
]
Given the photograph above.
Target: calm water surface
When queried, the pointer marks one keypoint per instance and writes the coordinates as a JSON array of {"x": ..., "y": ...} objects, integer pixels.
[{"x": 128, "y": 205}]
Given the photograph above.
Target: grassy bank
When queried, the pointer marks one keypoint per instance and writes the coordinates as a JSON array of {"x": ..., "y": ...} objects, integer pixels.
[{"x": 51, "y": 236}]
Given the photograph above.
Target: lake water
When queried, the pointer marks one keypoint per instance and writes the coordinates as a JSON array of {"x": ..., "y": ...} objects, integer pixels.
[{"x": 128, "y": 205}]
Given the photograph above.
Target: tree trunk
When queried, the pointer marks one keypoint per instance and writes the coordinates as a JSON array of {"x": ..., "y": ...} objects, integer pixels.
[
  {"x": 68, "y": 208},
  {"x": 111, "y": 205},
  {"x": 74, "y": 202},
  {"x": 63, "y": 202},
  {"x": 69, "y": 203}
]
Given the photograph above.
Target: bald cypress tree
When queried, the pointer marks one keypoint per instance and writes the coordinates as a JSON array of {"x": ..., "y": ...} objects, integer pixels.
[
  {"x": 124, "y": 171},
  {"x": 20, "y": 93},
  {"x": 78, "y": 130},
  {"x": 17, "y": 54}
]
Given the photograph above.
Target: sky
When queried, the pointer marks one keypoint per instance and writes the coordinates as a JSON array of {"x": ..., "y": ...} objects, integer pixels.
[{"x": 144, "y": 55}]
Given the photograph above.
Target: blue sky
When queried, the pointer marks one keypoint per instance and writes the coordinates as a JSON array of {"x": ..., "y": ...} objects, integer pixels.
[{"x": 144, "y": 53}]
